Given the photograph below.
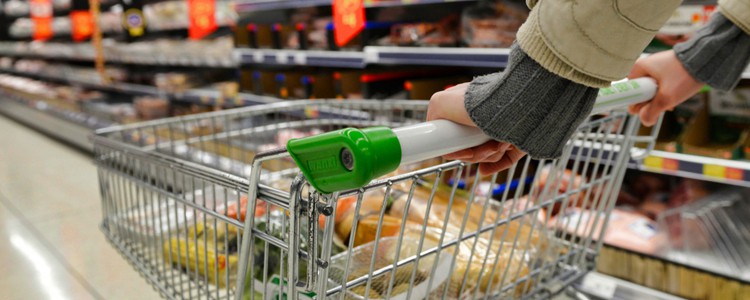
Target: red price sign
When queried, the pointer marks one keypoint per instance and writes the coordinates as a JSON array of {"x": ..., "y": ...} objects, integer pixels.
[
  {"x": 202, "y": 18},
  {"x": 348, "y": 20},
  {"x": 82, "y": 24},
  {"x": 41, "y": 15}
]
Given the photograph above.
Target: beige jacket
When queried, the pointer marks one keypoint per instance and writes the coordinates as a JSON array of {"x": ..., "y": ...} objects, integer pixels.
[{"x": 594, "y": 42}]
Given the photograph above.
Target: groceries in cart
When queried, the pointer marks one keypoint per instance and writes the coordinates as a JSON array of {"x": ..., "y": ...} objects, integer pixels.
[
  {"x": 207, "y": 250},
  {"x": 500, "y": 242}
]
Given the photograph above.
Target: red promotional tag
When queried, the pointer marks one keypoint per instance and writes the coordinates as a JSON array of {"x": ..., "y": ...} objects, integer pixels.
[
  {"x": 202, "y": 18},
  {"x": 82, "y": 24},
  {"x": 41, "y": 15},
  {"x": 348, "y": 20}
]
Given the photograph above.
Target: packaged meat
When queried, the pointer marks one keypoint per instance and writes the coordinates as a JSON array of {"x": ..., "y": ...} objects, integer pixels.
[
  {"x": 488, "y": 26},
  {"x": 627, "y": 230},
  {"x": 439, "y": 34},
  {"x": 149, "y": 108},
  {"x": 567, "y": 182}
]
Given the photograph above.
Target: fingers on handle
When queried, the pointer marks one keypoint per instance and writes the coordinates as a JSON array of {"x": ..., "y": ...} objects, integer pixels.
[
  {"x": 637, "y": 71},
  {"x": 460, "y": 155},
  {"x": 650, "y": 112},
  {"x": 511, "y": 157}
]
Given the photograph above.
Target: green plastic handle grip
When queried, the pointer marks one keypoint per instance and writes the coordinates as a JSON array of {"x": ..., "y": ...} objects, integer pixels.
[{"x": 346, "y": 159}]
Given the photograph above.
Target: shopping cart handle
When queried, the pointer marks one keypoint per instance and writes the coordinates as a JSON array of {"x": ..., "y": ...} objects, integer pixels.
[{"x": 350, "y": 158}]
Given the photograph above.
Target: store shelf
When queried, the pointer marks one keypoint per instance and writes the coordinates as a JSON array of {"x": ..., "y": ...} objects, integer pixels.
[
  {"x": 213, "y": 97},
  {"x": 319, "y": 58},
  {"x": 465, "y": 57},
  {"x": 85, "y": 52},
  {"x": 375, "y": 55},
  {"x": 700, "y": 262},
  {"x": 245, "y": 6},
  {"x": 697, "y": 167},
  {"x": 197, "y": 96},
  {"x": 57, "y": 10},
  {"x": 72, "y": 127}
]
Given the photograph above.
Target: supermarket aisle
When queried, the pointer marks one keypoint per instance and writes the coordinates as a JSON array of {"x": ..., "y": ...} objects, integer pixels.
[{"x": 50, "y": 243}]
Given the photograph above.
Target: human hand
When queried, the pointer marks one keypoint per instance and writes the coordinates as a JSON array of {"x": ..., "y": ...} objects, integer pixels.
[
  {"x": 675, "y": 85},
  {"x": 492, "y": 156}
]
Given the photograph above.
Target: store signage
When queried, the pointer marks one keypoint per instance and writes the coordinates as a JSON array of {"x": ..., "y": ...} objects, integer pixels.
[
  {"x": 202, "y": 14},
  {"x": 82, "y": 25},
  {"x": 41, "y": 14},
  {"x": 348, "y": 20}
]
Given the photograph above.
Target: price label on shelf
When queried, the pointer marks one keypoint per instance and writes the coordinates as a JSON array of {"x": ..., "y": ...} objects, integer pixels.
[
  {"x": 660, "y": 163},
  {"x": 599, "y": 286},
  {"x": 300, "y": 58},
  {"x": 282, "y": 57},
  {"x": 258, "y": 56}
]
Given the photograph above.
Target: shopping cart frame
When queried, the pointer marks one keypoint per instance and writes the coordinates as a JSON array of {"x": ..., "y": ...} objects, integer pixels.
[{"x": 139, "y": 148}]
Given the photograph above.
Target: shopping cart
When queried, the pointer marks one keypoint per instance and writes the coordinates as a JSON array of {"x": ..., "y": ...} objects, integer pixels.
[{"x": 206, "y": 206}]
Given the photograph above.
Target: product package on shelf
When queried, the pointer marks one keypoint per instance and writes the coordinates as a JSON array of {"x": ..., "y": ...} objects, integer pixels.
[
  {"x": 715, "y": 136},
  {"x": 675, "y": 123},
  {"x": 264, "y": 83},
  {"x": 121, "y": 113},
  {"x": 385, "y": 84},
  {"x": 423, "y": 89},
  {"x": 734, "y": 104},
  {"x": 290, "y": 86},
  {"x": 488, "y": 25},
  {"x": 149, "y": 108},
  {"x": 372, "y": 31},
  {"x": 682, "y": 236},
  {"x": 443, "y": 33},
  {"x": 683, "y": 23}
]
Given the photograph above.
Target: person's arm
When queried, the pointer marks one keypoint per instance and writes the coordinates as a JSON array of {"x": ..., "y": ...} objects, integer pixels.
[
  {"x": 716, "y": 55},
  {"x": 565, "y": 51}
]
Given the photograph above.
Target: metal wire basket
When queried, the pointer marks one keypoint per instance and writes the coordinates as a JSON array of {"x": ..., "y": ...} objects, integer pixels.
[{"x": 204, "y": 206}]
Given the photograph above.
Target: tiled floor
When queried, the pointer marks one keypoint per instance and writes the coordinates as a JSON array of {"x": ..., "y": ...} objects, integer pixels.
[{"x": 50, "y": 243}]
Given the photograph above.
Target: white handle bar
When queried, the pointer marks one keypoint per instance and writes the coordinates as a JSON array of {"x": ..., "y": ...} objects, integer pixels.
[{"x": 439, "y": 137}]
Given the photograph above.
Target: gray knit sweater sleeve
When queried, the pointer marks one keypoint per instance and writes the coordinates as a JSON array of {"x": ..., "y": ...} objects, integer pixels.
[
  {"x": 717, "y": 54},
  {"x": 528, "y": 106}
]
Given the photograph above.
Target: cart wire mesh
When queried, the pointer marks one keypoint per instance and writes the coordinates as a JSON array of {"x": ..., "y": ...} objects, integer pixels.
[{"x": 208, "y": 207}]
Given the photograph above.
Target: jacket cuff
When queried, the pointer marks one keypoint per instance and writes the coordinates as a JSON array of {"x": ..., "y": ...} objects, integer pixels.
[
  {"x": 717, "y": 54},
  {"x": 528, "y": 106}
]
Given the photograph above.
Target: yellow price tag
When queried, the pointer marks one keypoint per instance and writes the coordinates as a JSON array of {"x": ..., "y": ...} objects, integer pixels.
[
  {"x": 654, "y": 162},
  {"x": 714, "y": 171}
]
